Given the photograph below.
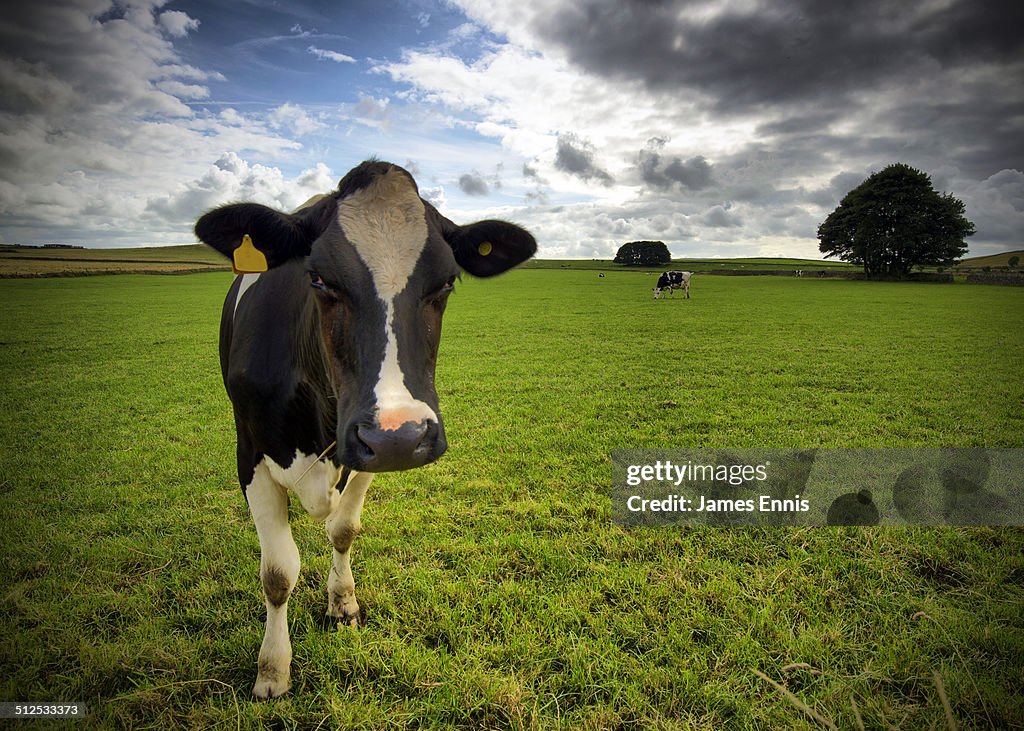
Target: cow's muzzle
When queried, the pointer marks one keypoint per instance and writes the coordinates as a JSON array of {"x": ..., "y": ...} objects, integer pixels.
[{"x": 370, "y": 448}]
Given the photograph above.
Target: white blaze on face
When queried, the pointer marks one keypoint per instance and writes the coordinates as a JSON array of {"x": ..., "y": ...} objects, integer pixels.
[{"x": 386, "y": 223}]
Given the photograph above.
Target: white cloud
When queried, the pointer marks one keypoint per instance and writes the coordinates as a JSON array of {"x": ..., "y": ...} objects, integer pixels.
[
  {"x": 93, "y": 125},
  {"x": 434, "y": 195},
  {"x": 315, "y": 180},
  {"x": 325, "y": 55},
  {"x": 232, "y": 178},
  {"x": 177, "y": 23},
  {"x": 581, "y": 136},
  {"x": 372, "y": 112},
  {"x": 180, "y": 90},
  {"x": 294, "y": 118}
]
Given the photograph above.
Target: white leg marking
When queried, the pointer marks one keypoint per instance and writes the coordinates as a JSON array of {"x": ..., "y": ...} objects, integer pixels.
[
  {"x": 316, "y": 485},
  {"x": 342, "y": 528},
  {"x": 279, "y": 570}
]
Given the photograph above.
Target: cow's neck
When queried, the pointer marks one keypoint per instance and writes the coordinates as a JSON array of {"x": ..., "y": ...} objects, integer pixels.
[{"x": 314, "y": 367}]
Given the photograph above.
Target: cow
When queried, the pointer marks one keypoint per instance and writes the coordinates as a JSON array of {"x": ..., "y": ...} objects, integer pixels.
[
  {"x": 328, "y": 359},
  {"x": 672, "y": 281}
]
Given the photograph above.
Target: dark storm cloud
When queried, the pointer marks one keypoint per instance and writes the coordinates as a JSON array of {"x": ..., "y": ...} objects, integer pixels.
[
  {"x": 834, "y": 92},
  {"x": 980, "y": 137},
  {"x": 838, "y": 186},
  {"x": 576, "y": 156},
  {"x": 786, "y": 51},
  {"x": 799, "y": 125},
  {"x": 661, "y": 172}
]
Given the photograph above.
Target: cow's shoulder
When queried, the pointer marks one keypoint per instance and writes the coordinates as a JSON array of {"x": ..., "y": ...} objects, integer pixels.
[
  {"x": 261, "y": 355},
  {"x": 281, "y": 410}
]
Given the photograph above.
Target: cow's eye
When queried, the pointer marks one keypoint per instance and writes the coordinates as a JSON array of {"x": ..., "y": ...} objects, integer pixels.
[
  {"x": 316, "y": 282},
  {"x": 444, "y": 290}
]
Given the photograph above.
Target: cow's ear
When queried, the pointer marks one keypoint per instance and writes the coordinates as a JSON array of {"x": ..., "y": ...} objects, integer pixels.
[
  {"x": 279, "y": 236},
  {"x": 487, "y": 248}
]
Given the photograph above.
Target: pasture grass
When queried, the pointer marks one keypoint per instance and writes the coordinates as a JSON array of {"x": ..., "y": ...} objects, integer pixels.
[
  {"x": 21, "y": 261},
  {"x": 498, "y": 592},
  {"x": 762, "y": 264}
]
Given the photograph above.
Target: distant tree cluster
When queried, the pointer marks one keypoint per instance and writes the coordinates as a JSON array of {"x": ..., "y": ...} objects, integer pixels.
[
  {"x": 896, "y": 220},
  {"x": 643, "y": 253}
]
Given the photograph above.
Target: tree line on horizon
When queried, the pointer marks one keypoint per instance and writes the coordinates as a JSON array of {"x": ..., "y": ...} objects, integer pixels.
[{"x": 892, "y": 222}]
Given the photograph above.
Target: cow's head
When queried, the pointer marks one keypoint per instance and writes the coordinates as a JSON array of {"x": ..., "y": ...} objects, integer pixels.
[{"x": 380, "y": 263}]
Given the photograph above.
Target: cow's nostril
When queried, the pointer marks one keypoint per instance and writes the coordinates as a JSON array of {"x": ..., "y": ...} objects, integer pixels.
[
  {"x": 406, "y": 438},
  {"x": 413, "y": 444},
  {"x": 363, "y": 448}
]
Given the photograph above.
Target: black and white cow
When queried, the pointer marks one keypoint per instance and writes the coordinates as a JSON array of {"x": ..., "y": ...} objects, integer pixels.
[
  {"x": 672, "y": 281},
  {"x": 337, "y": 342}
]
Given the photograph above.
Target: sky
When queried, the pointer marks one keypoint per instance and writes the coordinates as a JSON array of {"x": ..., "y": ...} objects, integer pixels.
[{"x": 721, "y": 127}]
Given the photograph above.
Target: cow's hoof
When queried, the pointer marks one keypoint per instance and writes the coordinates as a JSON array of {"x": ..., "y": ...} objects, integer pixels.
[
  {"x": 348, "y": 619},
  {"x": 270, "y": 684},
  {"x": 345, "y": 611}
]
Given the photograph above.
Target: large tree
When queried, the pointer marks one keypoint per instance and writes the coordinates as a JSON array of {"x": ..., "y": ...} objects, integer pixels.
[
  {"x": 896, "y": 220},
  {"x": 643, "y": 253}
]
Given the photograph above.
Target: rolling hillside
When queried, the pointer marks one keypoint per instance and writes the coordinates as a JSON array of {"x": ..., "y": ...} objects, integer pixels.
[{"x": 994, "y": 260}]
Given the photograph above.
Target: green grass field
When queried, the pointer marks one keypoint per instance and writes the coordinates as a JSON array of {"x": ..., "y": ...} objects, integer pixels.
[
  {"x": 27, "y": 262},
  {"x": 499, "y": 593},
  {"x": 754, "y": 264},
  {"x": 38, "y": 262}
]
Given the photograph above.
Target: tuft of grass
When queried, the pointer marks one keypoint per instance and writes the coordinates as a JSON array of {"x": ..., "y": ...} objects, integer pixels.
[{"x": 498, "y": 592}]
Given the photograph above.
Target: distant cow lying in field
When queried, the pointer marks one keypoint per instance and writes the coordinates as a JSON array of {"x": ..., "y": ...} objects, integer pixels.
[
  {"x": 335, "y": 343},
  {"x": 672, "y": 281}
]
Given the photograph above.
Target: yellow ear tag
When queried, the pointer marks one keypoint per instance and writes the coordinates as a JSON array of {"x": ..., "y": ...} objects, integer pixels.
[
  {"x": 247, "y": 259},
  {"x": 484, "y": 248}
]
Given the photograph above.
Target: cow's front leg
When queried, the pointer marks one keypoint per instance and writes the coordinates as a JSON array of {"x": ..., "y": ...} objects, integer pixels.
[
  {"x": 342, "y": 528},
  {"x": 279, "y": 570}
]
